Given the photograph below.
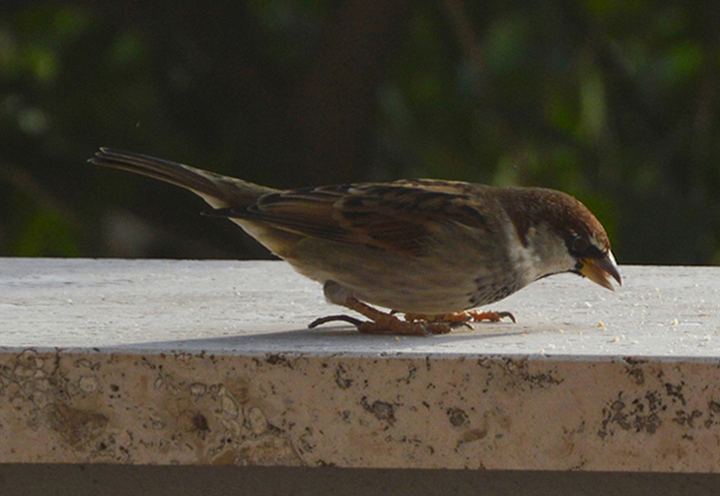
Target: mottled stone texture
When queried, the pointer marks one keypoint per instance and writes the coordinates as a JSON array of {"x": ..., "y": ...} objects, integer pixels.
[
  {"x": 209, "y": 363},
  {"x": 382, "y": 412}
]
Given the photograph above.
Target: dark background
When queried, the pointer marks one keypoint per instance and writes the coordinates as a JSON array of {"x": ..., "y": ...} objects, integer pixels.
[{"x": 613, "y": 102}]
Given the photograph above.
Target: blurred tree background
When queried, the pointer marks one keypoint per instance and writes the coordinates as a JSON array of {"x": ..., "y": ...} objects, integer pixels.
[{"x": 613, "y": 102}]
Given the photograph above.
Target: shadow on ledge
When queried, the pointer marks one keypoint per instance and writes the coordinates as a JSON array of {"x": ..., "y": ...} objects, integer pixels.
[
  {"x": 111, "y": 480},
  {"x": 336, "y": 339}
]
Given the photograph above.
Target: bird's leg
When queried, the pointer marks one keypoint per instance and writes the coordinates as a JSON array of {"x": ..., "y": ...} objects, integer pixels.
[
  {"x": 459, "y": 318},
  {"x": 380, "y": 322},
  {"x": 383, "y": 323}
]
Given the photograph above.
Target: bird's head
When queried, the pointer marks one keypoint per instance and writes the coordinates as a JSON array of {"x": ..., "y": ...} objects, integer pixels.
[{"x": 559, "y": 234}]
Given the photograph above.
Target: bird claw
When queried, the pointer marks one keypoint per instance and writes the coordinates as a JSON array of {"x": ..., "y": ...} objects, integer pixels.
[
  {"x": 462, "y": 318},
  {"x": 489, "y": 315},
  {"x": 389, "y": 326},
  {"x": 333, "y": 318}
]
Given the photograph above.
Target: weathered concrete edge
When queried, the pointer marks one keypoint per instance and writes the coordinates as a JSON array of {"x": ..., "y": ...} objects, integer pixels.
[{"x": 425, "y": 411}]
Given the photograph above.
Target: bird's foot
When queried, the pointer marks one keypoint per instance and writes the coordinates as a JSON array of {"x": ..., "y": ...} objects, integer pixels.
[
  {"x": 384, "y": 323},
  {"x": 462, "y": 318},
  {"x": 394, "y": 327}
]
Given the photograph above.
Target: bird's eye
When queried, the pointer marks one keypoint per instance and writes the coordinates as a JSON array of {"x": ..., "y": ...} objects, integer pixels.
[{"x": 580, "y": 245}]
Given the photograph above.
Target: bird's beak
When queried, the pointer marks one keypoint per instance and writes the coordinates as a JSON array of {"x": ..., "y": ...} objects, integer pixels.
[{"x": 598, "y": 270}]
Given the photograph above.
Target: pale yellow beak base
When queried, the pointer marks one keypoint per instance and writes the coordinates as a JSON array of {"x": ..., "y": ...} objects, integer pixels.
[{"x": 598, "y": 270}]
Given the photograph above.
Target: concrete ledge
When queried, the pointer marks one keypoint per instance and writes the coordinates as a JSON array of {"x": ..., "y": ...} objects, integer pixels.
[{"x": 208, "y": 363}]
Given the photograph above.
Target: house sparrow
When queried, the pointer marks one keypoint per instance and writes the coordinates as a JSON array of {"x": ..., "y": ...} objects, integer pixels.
[{"x": 430, "y": 249}]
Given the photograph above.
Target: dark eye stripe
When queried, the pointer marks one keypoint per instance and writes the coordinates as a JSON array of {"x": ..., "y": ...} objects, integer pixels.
[
  {"x": 580, "y": 245},
  {"x": 582, "y": 248}
]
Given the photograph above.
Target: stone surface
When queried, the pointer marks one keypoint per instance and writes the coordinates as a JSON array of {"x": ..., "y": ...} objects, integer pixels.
[{"x": 209, "y": 363}]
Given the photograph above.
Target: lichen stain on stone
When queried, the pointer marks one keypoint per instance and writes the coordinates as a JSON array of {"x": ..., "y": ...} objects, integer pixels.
[
  {"x": 671, "y": 402},
  {"x": 519, "y": 370},
  {"x": 278, "y": 359},
  {"x": 634, "y": 369},
  {"x": 639, "y": 414},
  {"x": 195, "y": 422},
  {"x": 411, "y": 374},
  {"x": 342, "y": 377},
  {"x": 687, "y": 418},
  {"x": 457, "y": 417},
  {"x": 76, "y": 426},
  {"x": 380, "y": 409},
  {"x": 675, "y": 391},
  {"x": 713, "y": 414}
]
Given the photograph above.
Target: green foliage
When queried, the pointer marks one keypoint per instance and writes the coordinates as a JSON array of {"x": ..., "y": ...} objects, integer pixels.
[
  {"x": 614, "y": 102},
  {"x": 46, "y": 234}
]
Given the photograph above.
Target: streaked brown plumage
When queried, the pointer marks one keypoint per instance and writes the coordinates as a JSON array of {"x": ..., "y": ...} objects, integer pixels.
[{"x": 426, "y": 247}]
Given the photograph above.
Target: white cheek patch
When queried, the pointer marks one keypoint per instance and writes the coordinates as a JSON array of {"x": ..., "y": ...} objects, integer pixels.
[
  {"x": 521, "y": 257},
  {"x": 545, "y": 254}
]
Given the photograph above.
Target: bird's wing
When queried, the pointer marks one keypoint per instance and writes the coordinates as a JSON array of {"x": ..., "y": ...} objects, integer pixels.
[{"x": 400, "y": 216}]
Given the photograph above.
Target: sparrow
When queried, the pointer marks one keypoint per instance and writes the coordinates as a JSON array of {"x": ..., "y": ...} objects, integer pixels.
[{"x": 430, "y": 249}]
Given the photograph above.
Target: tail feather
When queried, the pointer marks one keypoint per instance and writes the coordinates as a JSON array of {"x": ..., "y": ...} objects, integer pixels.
[{"x": 218, "y": 190}]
